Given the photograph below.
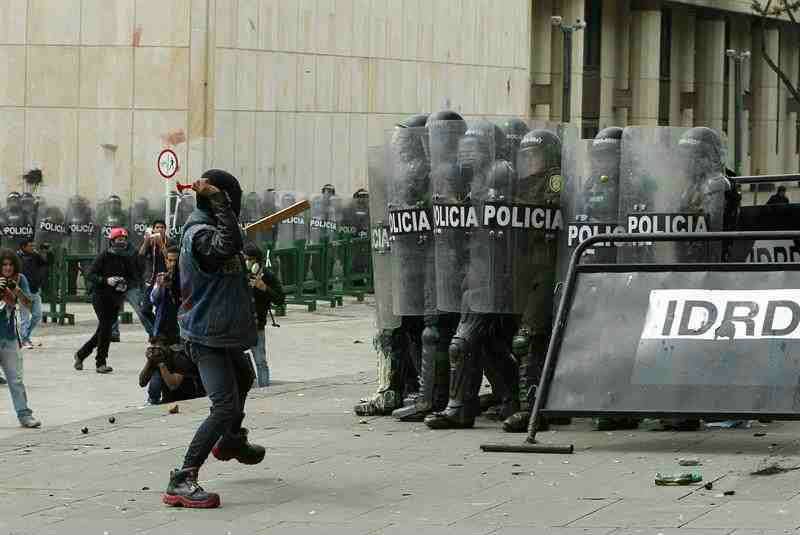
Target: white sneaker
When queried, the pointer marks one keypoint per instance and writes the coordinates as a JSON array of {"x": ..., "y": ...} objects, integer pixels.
[{"x": 27, "y": 345}]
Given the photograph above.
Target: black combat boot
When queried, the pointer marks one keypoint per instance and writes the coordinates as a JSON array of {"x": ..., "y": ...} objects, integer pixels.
[
  {"x": 236, "y": 446},
  {"x": 183, "y": 491}
]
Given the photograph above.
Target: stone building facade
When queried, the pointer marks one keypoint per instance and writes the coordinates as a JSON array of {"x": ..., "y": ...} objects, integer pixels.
[{"x": 289, "y": 93}]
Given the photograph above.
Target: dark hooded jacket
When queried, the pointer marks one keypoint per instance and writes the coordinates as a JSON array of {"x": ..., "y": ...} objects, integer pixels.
[{"x": 216, "y": 304}]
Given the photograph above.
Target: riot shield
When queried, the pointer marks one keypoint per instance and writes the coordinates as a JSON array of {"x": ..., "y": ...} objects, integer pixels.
[
  {"x": 251, "y": 209},
  {"x": 139, "y": 221},
  {"x": 360, "y": 210},
  {"x": 411, "y": 224},
  {"x": 269, "y": 205},
  {"x": 513, "y": 130},
  {"x": 672, "y": 180},
  {"x": 293, "y": 229},
  {"x": 380, "y": 240},
  {"x": 590, "y": 195},
  {"x": 51, "y": 225},
  {"x": 183, "y": 208},
  {"x": 81, "y": 226},
  {"x": 450, "y": 207},
  {"x": 17, "y": 225},
  {"x": 111, "y": 214}
]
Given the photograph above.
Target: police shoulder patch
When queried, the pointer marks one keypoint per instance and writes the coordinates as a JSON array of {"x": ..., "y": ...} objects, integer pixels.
[{"x": 555, "y": 182}]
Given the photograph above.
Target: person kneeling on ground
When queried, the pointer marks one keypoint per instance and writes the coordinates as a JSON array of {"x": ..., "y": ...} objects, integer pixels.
[
  {"x": 180, "y": 378},
  {"x": 267, "y": 291}
]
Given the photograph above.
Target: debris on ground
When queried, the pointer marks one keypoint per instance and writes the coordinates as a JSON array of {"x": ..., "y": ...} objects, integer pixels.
[
  {"x": 759, "y": 434},
  {"x": 729, "y": 492},
  {"x": 772, "y": 469},
  {"x": 709, "y": 485},
  {"x": 85, "y": 430},
  {"x": 683, "y": 478},
  {"x": 174, "y": 409},
  {"x": 689, "y": 461},
  {"x": 112, "y": 420}
]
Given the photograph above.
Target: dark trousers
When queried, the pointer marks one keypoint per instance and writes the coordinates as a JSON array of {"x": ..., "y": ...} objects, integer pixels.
[
  {"x": 227, "y": 376},
  {"x": 106, "y": 308}
]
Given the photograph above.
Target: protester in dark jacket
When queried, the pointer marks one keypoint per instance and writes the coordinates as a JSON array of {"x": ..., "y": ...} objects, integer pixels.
[
  {"x": 217, "y": 321},
  {"x": 267, "y": 292},
  {"x": 110, "y": 274},
  {"x": 35, "y": 268}
]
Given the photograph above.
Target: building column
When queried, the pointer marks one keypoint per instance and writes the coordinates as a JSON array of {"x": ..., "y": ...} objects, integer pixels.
[
  {"x": 541, "y": 60},
  {"x": 202, "y": 48},
  {"x": 571, "y": 11},
  {"x": 682, "y": 66},
  {"x": 614, "y": 62},
  {"x": 709, "y": 85},
  {"x": 741, "y": 39},
  {"x": 645, "y": 50},
  {"x": 790, "y": 64},
  {"x": 764, "y": 111}
]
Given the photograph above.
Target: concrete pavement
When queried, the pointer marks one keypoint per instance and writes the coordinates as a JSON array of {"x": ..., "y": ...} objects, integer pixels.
[{"x": 328, "y": 471}]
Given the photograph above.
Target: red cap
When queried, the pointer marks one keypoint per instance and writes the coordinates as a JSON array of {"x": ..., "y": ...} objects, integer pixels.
[{"x": 118, "y": 232}]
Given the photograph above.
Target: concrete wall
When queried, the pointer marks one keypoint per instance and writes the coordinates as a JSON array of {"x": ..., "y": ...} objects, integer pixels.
[{"x": 284, "y": 93}]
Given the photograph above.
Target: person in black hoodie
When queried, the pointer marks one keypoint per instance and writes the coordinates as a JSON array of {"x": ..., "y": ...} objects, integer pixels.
[{"x": 111, "y": 273}]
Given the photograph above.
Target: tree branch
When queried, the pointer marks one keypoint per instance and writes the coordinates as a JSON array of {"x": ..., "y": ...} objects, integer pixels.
[{"x": 764, "y": 53}]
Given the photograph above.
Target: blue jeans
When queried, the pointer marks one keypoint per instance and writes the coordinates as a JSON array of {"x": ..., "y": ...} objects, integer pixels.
[
  {"x": 29, "y": 319},
  {"x": 135, "y": 297},
  {"x": 11, "y": 362},
  {"x": 259, "y": 352},
  {"x": 227, "y": 376},
  {"x": 154, "y": 388}
]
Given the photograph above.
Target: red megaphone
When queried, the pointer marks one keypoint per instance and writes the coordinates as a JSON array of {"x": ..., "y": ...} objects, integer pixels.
[{"x": 182, "y": 187}]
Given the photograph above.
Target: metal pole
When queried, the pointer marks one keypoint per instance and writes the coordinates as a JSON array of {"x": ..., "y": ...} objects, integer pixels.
[
  {"x": 739, "y": 111},
  {"x": 567, "y": 85}
]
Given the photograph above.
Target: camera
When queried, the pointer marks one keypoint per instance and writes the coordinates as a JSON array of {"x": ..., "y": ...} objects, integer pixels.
[{"x": 11, "y": 285}]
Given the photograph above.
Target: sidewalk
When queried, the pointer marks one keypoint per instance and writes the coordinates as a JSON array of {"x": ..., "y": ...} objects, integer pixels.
[{"x": 330, "y": 472}]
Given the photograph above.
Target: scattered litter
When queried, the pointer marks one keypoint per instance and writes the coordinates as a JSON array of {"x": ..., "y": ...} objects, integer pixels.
[
  {"x": 407, "y": 494},
  {"x": 773, "y": 469},
  {"x": 356, "y": 435},
  {"x": 175, "y": 409},
  {"x": 617, "y": 461},
  {"x": 107, "y": 448},
  {"x": 111, "y": 420},
  {"x": 759, "y": 434},
  {"x": 363, "y": 422},
  {"x": 312, "y": 512},
  {"x": 357, "y": 342},
  {"x": 516, "y": 465},
  {"x": 689, "y": 461},
  {"x": 684, "y": 478},
  {"x": 163, "y": 443},
  {"x": 709, "y": 485},
  {"x": 564, "y": 462},
  {"x": 455, "y": 464},
  {"x": 145, "y": 488},
  {"x": 300, "y": 395},
  {"x": 373, "y": 456},
  {"x": 729, "y": 424},
  {"x": 729, "y": 492},
  {"x": 85, "y": 430}
]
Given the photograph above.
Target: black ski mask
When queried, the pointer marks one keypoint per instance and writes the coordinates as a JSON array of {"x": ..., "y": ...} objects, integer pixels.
[{"x": 228, "y": 184}]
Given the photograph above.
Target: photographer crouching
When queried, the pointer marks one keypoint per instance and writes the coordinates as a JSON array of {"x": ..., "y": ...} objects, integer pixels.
[{"x": 13, "y": 290}]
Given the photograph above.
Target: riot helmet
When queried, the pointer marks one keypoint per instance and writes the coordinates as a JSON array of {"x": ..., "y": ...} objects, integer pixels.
[
  {"x": 539, "y": 152},
  {"x": 700, "y": 151},
  {"x": 514, "y": 130}
]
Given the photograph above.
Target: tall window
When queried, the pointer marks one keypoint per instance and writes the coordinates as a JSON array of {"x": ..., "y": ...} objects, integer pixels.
[
  {"x": 665, "y": 67},
  {"x": 592, "y": 52}
]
